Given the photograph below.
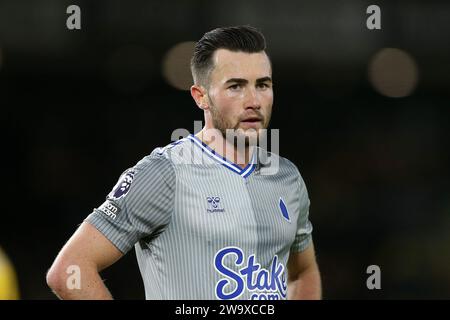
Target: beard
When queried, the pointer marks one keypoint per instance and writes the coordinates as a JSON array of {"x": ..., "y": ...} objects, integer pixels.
[{"x": 235, "y": 134}]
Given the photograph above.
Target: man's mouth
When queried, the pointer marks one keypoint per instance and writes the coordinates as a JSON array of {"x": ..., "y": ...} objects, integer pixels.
[
  {"x": 251, "y": 120},
  {"x": 254, "y": 123}
]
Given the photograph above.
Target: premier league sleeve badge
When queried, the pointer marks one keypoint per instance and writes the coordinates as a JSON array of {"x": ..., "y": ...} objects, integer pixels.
[{"x": 122, "y": 186}]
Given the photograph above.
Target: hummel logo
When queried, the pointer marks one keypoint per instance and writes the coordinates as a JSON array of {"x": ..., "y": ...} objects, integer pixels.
[{"x": 214, "y": 205}]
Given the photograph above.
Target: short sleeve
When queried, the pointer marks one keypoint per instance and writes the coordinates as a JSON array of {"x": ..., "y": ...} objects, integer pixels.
[
  {"x": 303, "y": 236},
  {"x": 140, "y": 204}
]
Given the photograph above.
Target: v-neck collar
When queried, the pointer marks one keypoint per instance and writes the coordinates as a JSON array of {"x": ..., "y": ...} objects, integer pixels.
[{"x": 243, "y": 172}]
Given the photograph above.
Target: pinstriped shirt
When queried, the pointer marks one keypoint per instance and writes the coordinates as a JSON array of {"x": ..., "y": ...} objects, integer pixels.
[{"x": 205, "y": 228}]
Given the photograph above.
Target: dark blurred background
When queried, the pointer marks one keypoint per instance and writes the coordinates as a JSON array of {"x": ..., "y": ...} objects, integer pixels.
[{"x": 363, "y": 113}]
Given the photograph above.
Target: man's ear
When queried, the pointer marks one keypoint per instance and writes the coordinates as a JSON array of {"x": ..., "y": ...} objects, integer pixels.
[{"x": 200, "y": 96}]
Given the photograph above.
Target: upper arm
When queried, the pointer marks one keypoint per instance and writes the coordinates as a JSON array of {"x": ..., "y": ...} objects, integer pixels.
[
  {"x": 87, "y": 247},
  {"x": 303, "y": 236},
  {"x": 300, "y": 262},
  {"x": 140, "y": 205}
]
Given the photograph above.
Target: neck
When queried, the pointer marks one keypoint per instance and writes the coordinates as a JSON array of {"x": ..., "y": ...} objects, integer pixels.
[{"x": 239, "y": 155}]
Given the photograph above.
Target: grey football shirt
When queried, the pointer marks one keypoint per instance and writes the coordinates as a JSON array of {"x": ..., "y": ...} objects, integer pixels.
[{"x": 203, "y": 227}]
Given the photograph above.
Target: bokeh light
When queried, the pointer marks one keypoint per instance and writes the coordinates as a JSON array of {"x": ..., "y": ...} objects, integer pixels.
[
  {"x": 393, "y": 73},
  {"x": 176, "y": 65}
]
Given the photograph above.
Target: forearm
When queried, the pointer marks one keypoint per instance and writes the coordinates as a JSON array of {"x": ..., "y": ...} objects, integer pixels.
[
  {"x": 90, "y": 286},
  {"x": 306, "y": 286}
]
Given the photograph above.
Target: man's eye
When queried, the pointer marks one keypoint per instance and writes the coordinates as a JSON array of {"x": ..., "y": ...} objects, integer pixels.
[
  {"x": 263, "y": 85},
  {"x": 235, "y": 87}
]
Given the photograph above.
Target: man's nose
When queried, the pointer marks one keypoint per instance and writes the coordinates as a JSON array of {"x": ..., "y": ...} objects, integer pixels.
[{"x": 252, "y": 99}]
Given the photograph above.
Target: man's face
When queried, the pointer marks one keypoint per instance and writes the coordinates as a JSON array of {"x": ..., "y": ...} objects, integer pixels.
[{"x": 240, "y": 92}]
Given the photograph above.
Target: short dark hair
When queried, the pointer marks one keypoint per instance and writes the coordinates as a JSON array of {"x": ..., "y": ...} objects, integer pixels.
[{"x": 236, "y": 38}]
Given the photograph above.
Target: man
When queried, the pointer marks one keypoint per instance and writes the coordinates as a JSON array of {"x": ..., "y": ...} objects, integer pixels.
[{"x": 204, "y": 226}]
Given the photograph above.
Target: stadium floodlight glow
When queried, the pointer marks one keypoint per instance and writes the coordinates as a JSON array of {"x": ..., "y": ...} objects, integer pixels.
[
  {"x": 393, "y": 73},
  {"x": 176, "y": 65}
]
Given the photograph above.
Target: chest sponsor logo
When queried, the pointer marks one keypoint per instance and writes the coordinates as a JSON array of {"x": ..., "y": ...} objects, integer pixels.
[
  {"x": 214, "y": 205},
  {"x": 264, "y": 284}
]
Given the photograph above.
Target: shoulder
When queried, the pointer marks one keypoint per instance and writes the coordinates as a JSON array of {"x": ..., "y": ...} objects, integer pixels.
[
  {"x": 158, "y": 163},
  {"x": 163, "y": 160},
  {"x": 290, "y": 167},
  {"x": 280, "y": 168},
  {"x": 166, "y": 156},
  {"x": 177, "y": 152},
  {"x": 153, "y": 162},
  {"x": 277, "y": 163},
  {"x": 293, "y": 170}
]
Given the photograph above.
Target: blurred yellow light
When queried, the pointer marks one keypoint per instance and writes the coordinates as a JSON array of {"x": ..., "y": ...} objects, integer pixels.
[{"x": 8, "y": 282}]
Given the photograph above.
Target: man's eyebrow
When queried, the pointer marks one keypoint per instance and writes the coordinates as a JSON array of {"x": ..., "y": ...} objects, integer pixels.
[
  {"x": 244, "y": 81},
  {"x": 264, "y": 79},
  {"x": 236, "y": 80}
]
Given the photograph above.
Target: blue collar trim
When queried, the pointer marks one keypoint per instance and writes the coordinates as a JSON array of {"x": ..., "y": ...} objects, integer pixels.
[{"x": 243, "y": 172}]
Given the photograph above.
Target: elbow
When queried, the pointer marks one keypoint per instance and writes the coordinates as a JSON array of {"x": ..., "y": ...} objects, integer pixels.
[
  {"x": 62, "y": 277},
  {"x": 56, "y": 279}
]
